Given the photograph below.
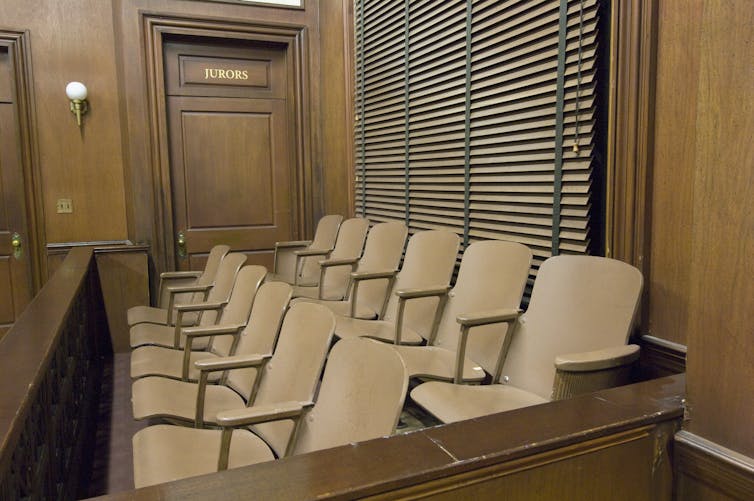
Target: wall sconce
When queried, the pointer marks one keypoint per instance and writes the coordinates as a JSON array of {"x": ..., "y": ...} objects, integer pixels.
[{"x": 76, "y": 92}]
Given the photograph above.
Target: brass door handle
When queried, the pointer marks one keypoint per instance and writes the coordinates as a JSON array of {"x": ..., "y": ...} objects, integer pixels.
[
  {"x": 17, "y": 243},
  {"x": 181, "y": 242}
]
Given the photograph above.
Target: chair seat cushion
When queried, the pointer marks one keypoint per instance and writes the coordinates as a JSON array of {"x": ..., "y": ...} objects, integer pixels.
[
  {"x": 342, "y": 308},
  {"x": 160, "y": 335},
  {"x": 163, "y": 453},
  {"x": 456, "y": 402},
  {"x": 437, "y": 363},
  {"x": 161, "y": 397},
  {"x": 167, "y": 362},
  {"x": 347, "y": 327},
  {"x": 152, "y": 315},
  {"x": 328, "y": 294}
]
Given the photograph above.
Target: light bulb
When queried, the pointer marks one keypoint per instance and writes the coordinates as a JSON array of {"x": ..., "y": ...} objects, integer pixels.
[{"x": 76, "y": 91}]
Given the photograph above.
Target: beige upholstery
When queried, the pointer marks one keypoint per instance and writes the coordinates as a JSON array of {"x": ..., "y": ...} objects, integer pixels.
[
  {"x": 578, "y": 304},
  {"x": 171, "y": 283},
  {"x": 382, "y": 252},
  {"x": 428, "y": 264},
  {"x": 360, "y": 398},
  {"x": 333, "y": 280},
  {"x": 291, "y": 374},
  {"x": 209, "y": 311},
  {"x": 285, "y": 269},
  {"x": 490, "y": 281},
  {"x": 233, "y": 327}
]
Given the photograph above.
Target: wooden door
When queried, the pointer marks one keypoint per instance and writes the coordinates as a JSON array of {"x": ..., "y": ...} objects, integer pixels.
[
  {"x": 230, "y": 148},
  {"x": 15, "y": 268}
]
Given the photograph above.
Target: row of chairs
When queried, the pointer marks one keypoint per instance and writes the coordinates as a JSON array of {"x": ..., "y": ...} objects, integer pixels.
[{"x": 204, "y": 374}]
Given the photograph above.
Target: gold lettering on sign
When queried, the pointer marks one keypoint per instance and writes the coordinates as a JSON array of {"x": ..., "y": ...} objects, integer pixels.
[{"x": 225, "y": 74}]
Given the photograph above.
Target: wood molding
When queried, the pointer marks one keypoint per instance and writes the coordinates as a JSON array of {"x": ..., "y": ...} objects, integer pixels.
[
  {"x": 18, "y": 43},
  {"x": 720, "y": 471},
  {"x": 660, "y": 358},
  {"x": 630, "y": 135},
  {"x": 154, "y": 27}
]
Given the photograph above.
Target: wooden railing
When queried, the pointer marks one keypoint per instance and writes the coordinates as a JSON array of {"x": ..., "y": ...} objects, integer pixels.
[
  {"x": 50, "y": 362},
  {"x": 612, "y": 444}
]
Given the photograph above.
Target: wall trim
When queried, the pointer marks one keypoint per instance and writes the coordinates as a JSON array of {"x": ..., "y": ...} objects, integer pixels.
[
  {"x": 660, "y": 357},
  {"x": 719, "y": 468}
]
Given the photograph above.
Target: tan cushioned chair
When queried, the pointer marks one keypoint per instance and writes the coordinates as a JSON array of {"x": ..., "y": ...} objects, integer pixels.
[
  {"x": 266, "y": 304},
  {"x": 580, "y": 316},
  {"x": 179, "y": 287},
  {"x": 209, "y": 311},
  {"x": 488, "y": 291},
  {"x": 290, "y": 269},
  {"x": 427, "y": 266},
  {"x": 382, "y": 252},
  {"x": 360, "y": 398}
]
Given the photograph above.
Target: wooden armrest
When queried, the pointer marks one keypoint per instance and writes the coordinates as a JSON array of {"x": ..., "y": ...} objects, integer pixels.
[
  {"x": 488, "y": 317},
  {"x": 338, "y": 262},
  {"x": 200, "y": 306},
  {"x": 312, "y": 252},
  {"x": 167, "y": 275},
  {"x": 607, "y": 358},
  {"x": 260, "y": 414},
  {"x": 292, "y": 243},
  {"x": 371, "y": 275},
  {"x": 215, "y": 330},
  {"x": 426, "y": 292},
  {"x": 226, "y": 363}
]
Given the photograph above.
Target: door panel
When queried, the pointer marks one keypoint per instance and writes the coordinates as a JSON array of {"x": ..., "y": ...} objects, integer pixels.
[
  {"x": 15, "y": 270},
  {"x": 231, "y": 175}
]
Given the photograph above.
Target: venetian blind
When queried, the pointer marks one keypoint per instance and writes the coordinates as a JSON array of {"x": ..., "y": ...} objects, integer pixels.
[{"x": 467, "y": 112}]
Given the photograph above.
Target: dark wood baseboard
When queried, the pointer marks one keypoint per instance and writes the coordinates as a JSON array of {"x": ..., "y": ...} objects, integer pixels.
[{"x": 705, "y": 470}]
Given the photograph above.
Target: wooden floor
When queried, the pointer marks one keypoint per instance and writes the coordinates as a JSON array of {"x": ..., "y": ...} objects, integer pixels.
[{"x": 112, "y": 470}]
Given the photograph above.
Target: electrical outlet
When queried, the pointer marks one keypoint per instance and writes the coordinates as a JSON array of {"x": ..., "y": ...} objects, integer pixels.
[{"x": 65, "y": 206}]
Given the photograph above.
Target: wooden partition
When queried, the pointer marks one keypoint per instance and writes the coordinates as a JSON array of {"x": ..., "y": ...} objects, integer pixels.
[
  {"x": 612, "y": 444},
  {"x": 50, "y": 362}
]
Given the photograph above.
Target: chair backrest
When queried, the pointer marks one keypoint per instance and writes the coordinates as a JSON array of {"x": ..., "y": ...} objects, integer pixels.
[
  {"x": 215, "y": 257},
  {"x": 224, "y": 281},
  {"x": 360, "y": 398},
  {"x": 324, "y": 238},
  {"x": 294, "y": 370},
  {"x": 492, "y": 275},
  {"x": 350, "y": 244},
  {"x": 261, "y": 333},
  {"x": 383, "y": 251},
  {"x": 579, "y": 303},
  {"x": 238, "y": 309},
  {"x": 429, "y": 262}
]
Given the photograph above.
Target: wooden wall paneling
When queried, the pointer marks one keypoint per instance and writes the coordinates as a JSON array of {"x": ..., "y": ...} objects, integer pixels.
[
  {"x": 124, "y": 280},
  {"x": 673, "y": 169},
  {"x": 720, "y": 347},
  {"x": 137, "y": 66},
  {"x": 337, "y": 97},
  {"x": 73, "y": 40}
]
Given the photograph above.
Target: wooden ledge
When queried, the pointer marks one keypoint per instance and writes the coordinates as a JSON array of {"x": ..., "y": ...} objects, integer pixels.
[{"x": 383, "y": 465}]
